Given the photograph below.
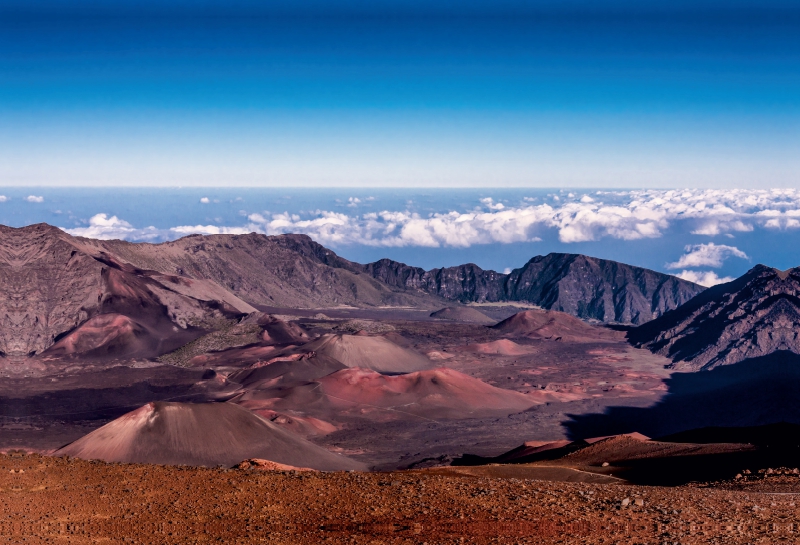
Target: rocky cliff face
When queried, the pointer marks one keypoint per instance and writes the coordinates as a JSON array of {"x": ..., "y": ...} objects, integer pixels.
[
  {"x": 464, "y": 283},
  {"x": 598, "y": 289},
  {"x": 582, "y": 286},
  {"x": 756, "y": 315}
]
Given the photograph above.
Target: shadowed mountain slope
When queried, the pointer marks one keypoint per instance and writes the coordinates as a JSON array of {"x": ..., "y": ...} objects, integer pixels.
[{"x": 753, "y": 316}]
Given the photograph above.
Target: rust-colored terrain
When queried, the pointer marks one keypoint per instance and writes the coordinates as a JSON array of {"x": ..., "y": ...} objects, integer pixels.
[{"x": 58, "y": 500}]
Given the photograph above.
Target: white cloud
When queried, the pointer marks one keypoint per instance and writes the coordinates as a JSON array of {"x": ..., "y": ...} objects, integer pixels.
[
  {"x": 103, "y": 227},
  {"x": 706, "y": 255},
  {"x": 184, "y": 230},
  {"x": 205, "y": 200},
  {"x": 3, "y": 198},
  {"x": 572, "y": 217},
  {"x": 716, "y": 227},
  {"x": 489, "y": 203},
  {"x": 704, "y": 278},
  {"x": 34, "y": 198}
]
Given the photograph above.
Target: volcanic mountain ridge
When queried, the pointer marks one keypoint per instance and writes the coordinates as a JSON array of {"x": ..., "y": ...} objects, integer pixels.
[
  {"x": 157, "y": 297},
  {"x": 755, "y": 315},
  {"x": 58, "y": 290},
  {"x": 586, "y": 287},
  {"x": 293, "y": 271}
]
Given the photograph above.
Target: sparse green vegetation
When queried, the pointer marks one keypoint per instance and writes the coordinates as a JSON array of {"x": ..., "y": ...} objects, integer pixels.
[{"x": 229, "y": 335}]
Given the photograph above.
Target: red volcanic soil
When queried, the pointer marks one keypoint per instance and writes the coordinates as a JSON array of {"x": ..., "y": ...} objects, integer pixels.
[
  {"x": 201, "y": 434},
  {"x": 463, "y": 314},
  {"x": 279, "y": 332},
  {"x": 555, "y": 326},
  {"x": 397, "y": 339},
  {"x": 106, "y": 334},
  {"x": 434, "y": 394},
  {"x": 636, "y": 436},
  {"x": 500, "y": 347},
  {"x": 247, "y": 356},
  {"x": 376, "y": 353},
  {"x": 266, "y": 465},
  {"x": 298, "y": 367},
  {"x": 58, "y": 500},
  {"x": 530, "y": 448},
  {"x": 307, "y": 426}
]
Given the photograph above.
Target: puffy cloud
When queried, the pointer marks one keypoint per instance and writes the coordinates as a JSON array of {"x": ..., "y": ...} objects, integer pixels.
[
  {"x": 704, "y": 278},
  {"x": 716, "y": 227},
  {"x": 489, "y": 203},
  {"x": 572, "y": 217},
  {"x": 34, "y": 198},
  {"x": 706, "y": 255},
  {"x": 184, "y": 230},
  {"x": 623, "y": 215},
  {"x": 205, "y": 200},
  {"x": 3, "y": 198},
  {"x": 391, "y": 228},
  {"x": 103, "y": 227}
]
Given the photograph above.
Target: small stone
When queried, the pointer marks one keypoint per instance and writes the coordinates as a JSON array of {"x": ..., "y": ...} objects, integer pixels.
[
  {"x": 626, "y": 502},
  {"x": 639, "y": 502},
  {"x": 605, "y": 464}
]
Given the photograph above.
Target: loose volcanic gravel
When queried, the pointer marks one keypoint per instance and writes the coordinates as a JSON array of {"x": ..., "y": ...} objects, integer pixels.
[{"x": 59, "y": 500}]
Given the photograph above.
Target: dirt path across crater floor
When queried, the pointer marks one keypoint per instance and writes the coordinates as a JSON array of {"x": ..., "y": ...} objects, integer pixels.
[{"x": 56, "y": 500}]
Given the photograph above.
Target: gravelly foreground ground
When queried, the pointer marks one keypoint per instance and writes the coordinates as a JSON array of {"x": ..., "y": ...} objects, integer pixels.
[{"x": 55, "y": 500}]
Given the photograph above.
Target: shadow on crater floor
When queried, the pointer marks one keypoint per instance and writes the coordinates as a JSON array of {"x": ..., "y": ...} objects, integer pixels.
[{"x": 755, "y": 392}]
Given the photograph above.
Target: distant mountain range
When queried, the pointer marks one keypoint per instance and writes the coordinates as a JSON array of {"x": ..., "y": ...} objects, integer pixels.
[
  {"x": 140, "y": 299},
  {"x": 583, "y": 286},
  {"x": 295, "y": 271}
]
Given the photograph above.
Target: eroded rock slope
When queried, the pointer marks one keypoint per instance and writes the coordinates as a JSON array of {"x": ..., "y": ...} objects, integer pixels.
[
  {"x": 54, "y": 287},
  {"x": 755, "y": 315}
]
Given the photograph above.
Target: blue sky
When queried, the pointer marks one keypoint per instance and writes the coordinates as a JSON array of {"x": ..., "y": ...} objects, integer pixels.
[{"x": 400, "y": 94}]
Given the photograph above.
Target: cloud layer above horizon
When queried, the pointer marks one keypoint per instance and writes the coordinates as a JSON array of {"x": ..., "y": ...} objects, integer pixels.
[{"x": 572, "y": 218}]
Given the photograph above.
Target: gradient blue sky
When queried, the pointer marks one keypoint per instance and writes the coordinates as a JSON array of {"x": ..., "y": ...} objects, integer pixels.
[{"x": 403, "y": 94}]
